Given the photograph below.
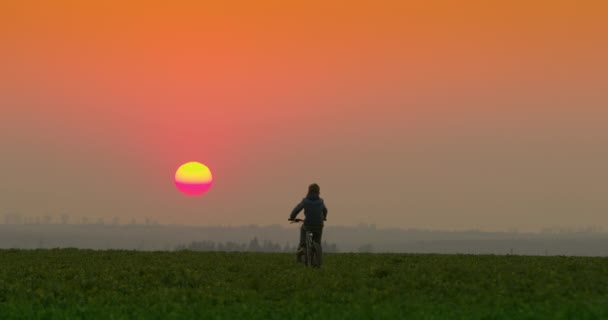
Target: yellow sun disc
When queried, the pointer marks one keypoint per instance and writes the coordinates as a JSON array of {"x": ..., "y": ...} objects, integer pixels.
[{"x": 193, "y": 178}]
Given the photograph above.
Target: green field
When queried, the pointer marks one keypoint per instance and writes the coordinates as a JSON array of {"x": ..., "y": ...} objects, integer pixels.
[{"x": 86, "y": 284}]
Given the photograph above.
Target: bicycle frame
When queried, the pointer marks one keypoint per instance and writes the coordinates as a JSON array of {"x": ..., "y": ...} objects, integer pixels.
[{"x": 313, "y": 250}]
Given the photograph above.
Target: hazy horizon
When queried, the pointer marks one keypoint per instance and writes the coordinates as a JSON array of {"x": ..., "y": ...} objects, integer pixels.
[
  {"x": 425, "y": 114},
  {"x": 284, "y": 239},
  {"x": 16, "y": 218}
]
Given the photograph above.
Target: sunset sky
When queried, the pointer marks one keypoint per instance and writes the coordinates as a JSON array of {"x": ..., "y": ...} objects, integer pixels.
[{"x": 414, "y": 114}]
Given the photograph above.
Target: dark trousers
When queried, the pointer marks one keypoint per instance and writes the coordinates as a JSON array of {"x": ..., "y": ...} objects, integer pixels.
[{"x": 317, "y": 232}]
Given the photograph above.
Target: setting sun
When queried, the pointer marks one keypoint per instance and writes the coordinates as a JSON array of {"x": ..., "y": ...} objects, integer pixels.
[{"x": 193, "y": 178}]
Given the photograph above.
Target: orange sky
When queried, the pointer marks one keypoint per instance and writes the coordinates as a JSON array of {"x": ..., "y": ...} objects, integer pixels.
[{"x": 271, "y": 96}]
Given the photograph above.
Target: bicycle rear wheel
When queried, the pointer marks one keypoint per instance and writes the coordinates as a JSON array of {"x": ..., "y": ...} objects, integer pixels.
[
  {"x": 317, "y": 255},
  {"x": 309, "y": 249}
]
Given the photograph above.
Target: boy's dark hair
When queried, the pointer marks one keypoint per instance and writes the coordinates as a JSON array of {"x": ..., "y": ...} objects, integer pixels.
[{"x": 314, "y": 188}]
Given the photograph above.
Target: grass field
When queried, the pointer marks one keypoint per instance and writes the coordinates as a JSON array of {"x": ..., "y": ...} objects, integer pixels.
[{"x": 85, "y": 284}]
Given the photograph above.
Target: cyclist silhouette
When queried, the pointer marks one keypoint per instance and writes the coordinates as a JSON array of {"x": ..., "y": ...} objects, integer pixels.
[{"x": 315, "y": 213}]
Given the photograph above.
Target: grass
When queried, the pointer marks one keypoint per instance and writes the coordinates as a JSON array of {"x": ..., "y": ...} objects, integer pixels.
[{"x": 87, "y": 284}]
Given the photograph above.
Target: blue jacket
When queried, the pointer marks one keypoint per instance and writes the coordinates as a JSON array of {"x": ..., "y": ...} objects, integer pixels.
[{"x": 315, "y": 211}]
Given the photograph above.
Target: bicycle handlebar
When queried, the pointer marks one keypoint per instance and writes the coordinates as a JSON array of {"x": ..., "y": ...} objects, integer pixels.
[{"x": 299, "y": 220}]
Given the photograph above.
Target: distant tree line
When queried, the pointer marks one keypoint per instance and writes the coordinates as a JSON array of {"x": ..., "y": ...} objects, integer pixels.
[{"x": 254, "y": 245}]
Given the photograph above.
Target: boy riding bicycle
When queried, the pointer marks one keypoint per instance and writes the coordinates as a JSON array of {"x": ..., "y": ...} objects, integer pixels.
[{"x": 315, "y": 212}]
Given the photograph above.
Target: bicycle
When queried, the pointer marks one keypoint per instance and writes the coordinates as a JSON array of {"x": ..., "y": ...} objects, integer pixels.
[{"x": 312, "y": 249}]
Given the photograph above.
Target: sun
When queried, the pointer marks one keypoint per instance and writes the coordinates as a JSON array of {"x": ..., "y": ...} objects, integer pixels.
[{"x": 193, "y": 178}]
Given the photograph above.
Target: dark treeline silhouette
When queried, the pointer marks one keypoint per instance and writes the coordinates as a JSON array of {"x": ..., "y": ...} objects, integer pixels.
[{"x": 253, "y": 246}]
